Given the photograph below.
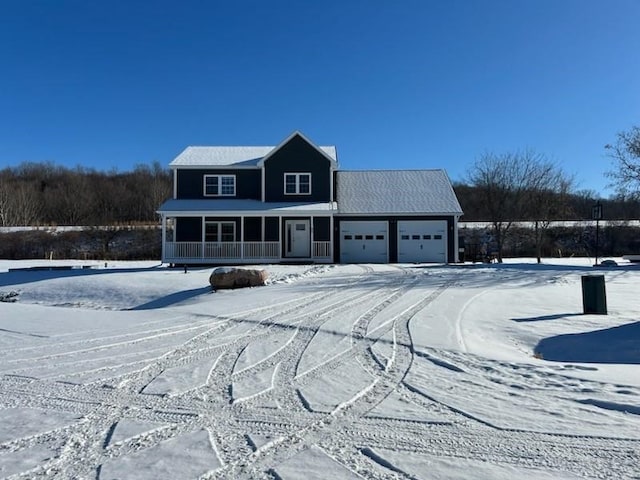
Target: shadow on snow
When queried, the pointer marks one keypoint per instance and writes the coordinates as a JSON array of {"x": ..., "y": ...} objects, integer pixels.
[
  {"x": 610, "y": 345},
  {"x": 173, "y": 298},
  {"x": 543, "y": 318}
]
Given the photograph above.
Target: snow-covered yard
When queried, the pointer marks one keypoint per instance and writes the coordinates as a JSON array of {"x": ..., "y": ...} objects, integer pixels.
[{"x": 138, "y": 371}]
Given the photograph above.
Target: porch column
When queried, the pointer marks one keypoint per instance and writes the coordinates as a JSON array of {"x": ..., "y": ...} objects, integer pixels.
[
  {"x": 203, "y": 236},
  {"x": 331, "y": 237},
  {"x": 163, "y": 223},
  {"x": 280, "y": 235},
  {"x": 241, "y": 237},
  {"x": 312, "y": 234},
  {"x": 262, "y": 245},
  {"x": 456, "y": 246}
]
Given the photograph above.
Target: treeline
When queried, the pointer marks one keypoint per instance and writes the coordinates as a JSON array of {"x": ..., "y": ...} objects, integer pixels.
[
  {"x": 575, "y": 206},
  {"x": 34, "y": 194}
]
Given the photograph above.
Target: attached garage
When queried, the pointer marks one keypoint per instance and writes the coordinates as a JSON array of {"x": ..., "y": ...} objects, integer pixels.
[
  {"x": 422, "y": 241},
  {"x": 364, "y": 242}
]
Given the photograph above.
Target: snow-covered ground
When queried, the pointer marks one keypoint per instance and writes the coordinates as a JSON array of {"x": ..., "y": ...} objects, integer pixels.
[{"x": 138, "y": 371}]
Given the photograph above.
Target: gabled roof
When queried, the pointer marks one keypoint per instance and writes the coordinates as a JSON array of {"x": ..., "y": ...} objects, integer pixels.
[
  {"x": 238, "y": 156},
  {"x": 328, "y": 152},
  {"x": 396, "y": 192}
]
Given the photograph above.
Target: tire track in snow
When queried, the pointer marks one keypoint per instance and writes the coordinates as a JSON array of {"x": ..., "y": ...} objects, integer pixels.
[{"x": 349, "y": 434}]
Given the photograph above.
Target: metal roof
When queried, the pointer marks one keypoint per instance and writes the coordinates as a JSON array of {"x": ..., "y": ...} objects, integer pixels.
[
  {"x": 396, "y": 192},
  {"x": 229, "y": 156},
  {"x": 244, "y": 206}
]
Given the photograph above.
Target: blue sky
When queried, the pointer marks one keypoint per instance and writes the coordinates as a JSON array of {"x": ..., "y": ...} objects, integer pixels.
[{"x": 393, "y": 84}]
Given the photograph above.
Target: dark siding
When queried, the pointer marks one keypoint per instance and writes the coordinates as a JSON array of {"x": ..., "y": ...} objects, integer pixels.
[
  {"x": 297, "y": 156},
  {"x": 321, "y": 229},
  {"x": 191, "y": 183},
  {"x": 188, "y": 229},
  {"x": 271, "y": 229},
  {"x": 393, "y": 234},
  {"x": 253, "y": 229}
]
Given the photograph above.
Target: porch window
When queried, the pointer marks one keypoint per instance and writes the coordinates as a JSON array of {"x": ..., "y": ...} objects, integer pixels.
[
  {"x": 297, "y": 184},
  {"x": 219, "y": 185},
  {"x": 220, "y": 232}
]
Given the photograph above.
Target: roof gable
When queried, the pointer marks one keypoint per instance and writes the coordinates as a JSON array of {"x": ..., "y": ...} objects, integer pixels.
[
  {"x": 239, "y": 156},
  {"x": 328, "y": 152},
  {"x": 396, "y": 192}
]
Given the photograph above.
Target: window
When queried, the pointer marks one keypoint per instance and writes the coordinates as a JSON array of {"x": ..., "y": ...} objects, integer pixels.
[
  {"x": 297, "y": 184},
  {"x": 219, "y": 232},
  {"x": 437, "y": 237},
  {"x": 219, "y": 185},
  {"x": 426, "y": 237}
]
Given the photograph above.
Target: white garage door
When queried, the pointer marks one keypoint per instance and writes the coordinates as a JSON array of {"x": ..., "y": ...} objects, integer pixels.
[
  {"x": 364, "y": 242},
  {"x": 422, "y": 241}
]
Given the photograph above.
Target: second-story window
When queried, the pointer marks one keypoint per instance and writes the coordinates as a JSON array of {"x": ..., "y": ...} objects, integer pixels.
[
  {"x": 297, "y": 184},
  {"x": 219, "y": 185}
]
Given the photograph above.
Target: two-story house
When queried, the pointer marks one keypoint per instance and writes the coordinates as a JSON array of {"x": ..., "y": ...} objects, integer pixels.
[{"x": 291, "y": 203}]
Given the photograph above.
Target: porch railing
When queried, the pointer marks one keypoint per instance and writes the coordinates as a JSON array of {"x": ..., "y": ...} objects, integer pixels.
[
  {"x": 176, "y": 252},
  {"x": 322, "y": 249}
]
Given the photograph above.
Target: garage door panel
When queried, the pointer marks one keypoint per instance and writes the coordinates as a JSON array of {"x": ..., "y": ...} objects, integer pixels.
[
  {"x": 364, "y": 242},
  {"x": 422, "y": 241}
]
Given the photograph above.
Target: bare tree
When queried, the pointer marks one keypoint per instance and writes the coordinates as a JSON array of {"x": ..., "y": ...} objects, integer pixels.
[
  {"x": 625, "y": 154},
  {"x": 517, "y": 186},
  {"x": 26, "y": 204},
  {"x": 4, "y": 199},
  {"x": 548, "y": 199}
]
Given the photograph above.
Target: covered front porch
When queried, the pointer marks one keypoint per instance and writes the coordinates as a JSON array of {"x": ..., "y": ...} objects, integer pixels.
[{"x": 290, "y": 233}]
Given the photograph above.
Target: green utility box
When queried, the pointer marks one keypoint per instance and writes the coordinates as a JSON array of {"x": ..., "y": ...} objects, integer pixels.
[{"x": 594, "y": 296}]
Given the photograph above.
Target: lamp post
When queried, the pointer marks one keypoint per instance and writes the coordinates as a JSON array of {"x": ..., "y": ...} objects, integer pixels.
[{"x": 596, "y": 214}]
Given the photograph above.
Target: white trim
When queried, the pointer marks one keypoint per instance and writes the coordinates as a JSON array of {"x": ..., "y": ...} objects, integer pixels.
[
  {"x": 331, "y": 177},
  {"x": 241, "y": 235},
  {"x": 297, "y": 177},
  {"x": 264, "y": 183},
  {"x": 331, "y": 237},
  {"x": 175, "y": 184},
  {"x": 203, "y": 227},
  {"x": 220, "y": 178},
  {"x": 456, "y": 244},
  {"x": 164, "y": 235}
]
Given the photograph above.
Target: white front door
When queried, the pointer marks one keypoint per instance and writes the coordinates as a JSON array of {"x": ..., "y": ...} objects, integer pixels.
[{"x": 298, "y": 238}]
